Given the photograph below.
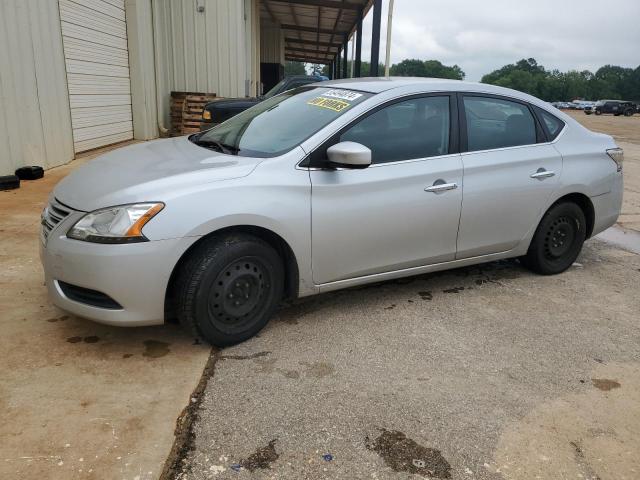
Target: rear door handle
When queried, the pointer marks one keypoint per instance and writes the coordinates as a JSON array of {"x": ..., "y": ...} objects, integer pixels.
[
  {"x": 541, "y": 174},
  {"x": 441, "y": 187}
]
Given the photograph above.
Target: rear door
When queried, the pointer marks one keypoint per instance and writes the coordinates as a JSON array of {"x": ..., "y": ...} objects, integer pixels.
[
  {"x": 403, "y": 210},
  {"x": 510, "y": 171}
]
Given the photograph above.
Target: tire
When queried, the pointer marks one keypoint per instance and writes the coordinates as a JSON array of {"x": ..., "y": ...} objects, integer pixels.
[
  {"x": 558, "y": 240},
  {"x": 9, "y": 182},
  {"x": 628, "y": 112},
  {"x": 598, "y": 113},
  {"x": 228, "y": 288},
  {"x": 30, "y": 173}
]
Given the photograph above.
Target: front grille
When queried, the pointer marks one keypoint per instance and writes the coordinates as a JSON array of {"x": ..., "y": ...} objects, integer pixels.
[
  {"x": 52, "y": 215},
  {"x": 88, "y": 296}
]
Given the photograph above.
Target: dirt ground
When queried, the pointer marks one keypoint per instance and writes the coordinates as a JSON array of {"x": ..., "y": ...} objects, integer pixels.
[
  {"x": 626, "y": 131},
  {"x": 79, "y": 400},
  {"x": 487, "y": 372}
]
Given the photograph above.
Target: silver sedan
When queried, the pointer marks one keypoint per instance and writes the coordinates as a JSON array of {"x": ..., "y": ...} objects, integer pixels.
[{"x": 321, "y": 188}]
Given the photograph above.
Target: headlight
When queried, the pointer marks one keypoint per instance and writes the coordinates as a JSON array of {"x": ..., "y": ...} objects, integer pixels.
[
  {"x": 121, "y": 224},
  {"x": 206, "y": 115}
]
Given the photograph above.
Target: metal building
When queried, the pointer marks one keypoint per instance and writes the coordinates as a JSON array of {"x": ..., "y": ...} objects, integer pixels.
[{"x": 81, "y": 74}]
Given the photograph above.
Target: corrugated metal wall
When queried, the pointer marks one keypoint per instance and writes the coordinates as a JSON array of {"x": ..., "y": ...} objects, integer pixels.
[
  {"x": 199, "y": 51},
  {"x": 271, "y": 44},
  {"x": 35, "y": 121}
]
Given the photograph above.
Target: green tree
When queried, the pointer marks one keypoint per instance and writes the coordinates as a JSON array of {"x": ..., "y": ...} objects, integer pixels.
[
  {"x": 428, "y": 68},
  {"x": 409, "y": 68},
  {"x": 609, "y": 81},
  {"x": 294, "y": 68}
]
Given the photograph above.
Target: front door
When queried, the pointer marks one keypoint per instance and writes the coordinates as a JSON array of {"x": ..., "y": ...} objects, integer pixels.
[
  {"x": 508, "y": 175},
  {"x": 402, "y": 211}
]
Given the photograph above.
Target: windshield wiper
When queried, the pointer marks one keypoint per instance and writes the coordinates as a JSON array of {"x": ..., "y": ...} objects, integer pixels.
[{"x": 221, "y": 147}]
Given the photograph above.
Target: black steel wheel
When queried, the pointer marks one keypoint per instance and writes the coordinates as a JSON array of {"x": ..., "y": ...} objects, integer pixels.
[
  {"x": 238, "y": 292},
  {"x": 228, "y": 288},
  {"x": 558, "y": 240}
]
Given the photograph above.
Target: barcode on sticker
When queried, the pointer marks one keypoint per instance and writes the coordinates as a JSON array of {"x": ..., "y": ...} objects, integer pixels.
[{"x": 342, "y": 94}]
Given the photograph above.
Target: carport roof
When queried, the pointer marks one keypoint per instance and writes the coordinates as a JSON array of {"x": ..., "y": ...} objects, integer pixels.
[{"x": 314, "y": 30}]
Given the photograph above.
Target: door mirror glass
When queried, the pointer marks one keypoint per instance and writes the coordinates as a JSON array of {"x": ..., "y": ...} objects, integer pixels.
[{"x": 349, "y": 155}]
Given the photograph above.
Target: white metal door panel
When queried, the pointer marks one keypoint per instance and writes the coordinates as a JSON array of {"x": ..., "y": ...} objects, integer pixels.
[
  {"x": 94, "y": 35},
  {"x": 382, "y": 218},
  {"x": 501, "y": 198}
]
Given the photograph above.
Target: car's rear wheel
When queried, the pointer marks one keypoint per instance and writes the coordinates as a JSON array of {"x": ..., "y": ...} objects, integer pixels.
[
  {"x": 598, "y": 112},
  {"x": 558, "y": 240},
  {"x": 228, "y": 288}
]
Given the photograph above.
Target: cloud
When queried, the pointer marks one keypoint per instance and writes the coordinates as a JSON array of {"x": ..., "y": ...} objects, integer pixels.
[{"x": 483, "y": 36}]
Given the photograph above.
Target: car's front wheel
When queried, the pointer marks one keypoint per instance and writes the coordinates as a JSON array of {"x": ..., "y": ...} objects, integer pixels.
[
  {"x": 228, "y": 288},
  {"x": 558, "y": 240}
]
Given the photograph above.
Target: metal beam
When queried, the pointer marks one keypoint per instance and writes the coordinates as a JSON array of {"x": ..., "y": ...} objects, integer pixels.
[
  {"x": 297, "y": 28},
  {"x": 358, "y": 65},
  {"x": 311, "y": 42},
  {"x": 273, "y": 17},
  {"x": 345, "y": 59},
  {"x": 306, "y": 60},
  {"x": 375, "y": 37},
  {"x": 317, "y": 53},
  {"x": 323, "y": 3},
  {"x": 338, "y": 69},
  {"x": 322, "y": 52}
]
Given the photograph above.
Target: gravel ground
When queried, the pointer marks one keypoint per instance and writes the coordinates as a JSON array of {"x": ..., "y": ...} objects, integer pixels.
[{"x": 482, "y": 373}]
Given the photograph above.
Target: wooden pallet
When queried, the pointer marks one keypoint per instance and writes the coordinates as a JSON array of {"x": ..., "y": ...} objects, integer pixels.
[{"x": 186, "y": 111}]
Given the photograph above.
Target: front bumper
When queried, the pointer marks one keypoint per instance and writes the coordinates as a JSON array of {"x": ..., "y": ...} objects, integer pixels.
[{"x": 134, "y": 275}]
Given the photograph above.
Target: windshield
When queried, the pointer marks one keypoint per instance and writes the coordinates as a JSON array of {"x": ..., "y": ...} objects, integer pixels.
[
  {"x": 275, "y": 89},
  {"x": 280, "y": 123}
]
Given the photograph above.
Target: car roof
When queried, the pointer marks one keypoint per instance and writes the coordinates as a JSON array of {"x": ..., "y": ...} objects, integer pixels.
[
  {"x": 312, "y": 77},
  {"x": 382, "y": 84}
]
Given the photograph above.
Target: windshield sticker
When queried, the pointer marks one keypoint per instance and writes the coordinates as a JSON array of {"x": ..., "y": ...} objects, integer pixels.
[
  {"x": 329, "y": 103},
  {"x": 342, "y": 94}
]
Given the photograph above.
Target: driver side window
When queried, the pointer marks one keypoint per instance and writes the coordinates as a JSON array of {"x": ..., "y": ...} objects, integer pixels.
[{"x": 411, "y": 129}]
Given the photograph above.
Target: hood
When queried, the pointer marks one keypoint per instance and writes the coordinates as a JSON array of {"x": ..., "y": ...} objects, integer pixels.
[{"x": 146, "y": 172}]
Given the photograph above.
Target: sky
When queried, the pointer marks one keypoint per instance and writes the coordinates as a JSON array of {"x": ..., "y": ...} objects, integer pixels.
[{"x": 483, "y": 35}]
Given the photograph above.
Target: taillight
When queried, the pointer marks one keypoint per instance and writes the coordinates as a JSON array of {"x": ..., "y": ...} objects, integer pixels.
[{"x": 617, "y": 155}]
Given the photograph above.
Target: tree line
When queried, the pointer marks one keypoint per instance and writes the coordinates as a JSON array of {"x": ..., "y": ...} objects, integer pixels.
[
  {"x": 608, "y": 82},
  {"x": 526, "y": 75}
]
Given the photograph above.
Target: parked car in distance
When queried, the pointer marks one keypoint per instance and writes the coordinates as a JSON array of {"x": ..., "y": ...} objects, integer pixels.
[
  {"x": 562, "y": 105},
  {"x": 615, "y": 107},
  {"x": 321, "y": 188},
  {"x": 220, "y": 110}
]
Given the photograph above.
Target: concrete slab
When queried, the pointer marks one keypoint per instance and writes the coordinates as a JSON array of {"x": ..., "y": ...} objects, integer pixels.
[
  {"x": 481, "y": 373},
  {"x": 79, "y": 400}
]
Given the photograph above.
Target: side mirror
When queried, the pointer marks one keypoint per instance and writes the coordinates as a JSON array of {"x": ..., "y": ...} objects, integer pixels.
[{"x": 349, "y": 155}]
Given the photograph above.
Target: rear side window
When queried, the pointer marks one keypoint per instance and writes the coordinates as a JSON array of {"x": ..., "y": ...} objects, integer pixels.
[
  {"x": 496, "y": 123},
  {"x": 407, "y": 130},
  {"x": 553, "y": 125}
]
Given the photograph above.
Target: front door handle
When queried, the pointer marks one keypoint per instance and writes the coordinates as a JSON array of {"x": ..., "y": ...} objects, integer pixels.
[
  {"x": 440, "y": 186},
  {"x": 542, "y": 173}
]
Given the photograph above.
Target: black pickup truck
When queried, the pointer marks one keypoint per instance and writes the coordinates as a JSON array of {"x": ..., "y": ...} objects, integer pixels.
[
  {"x": 221, "y": 110},
  {"x": 615, "y": 107}
]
